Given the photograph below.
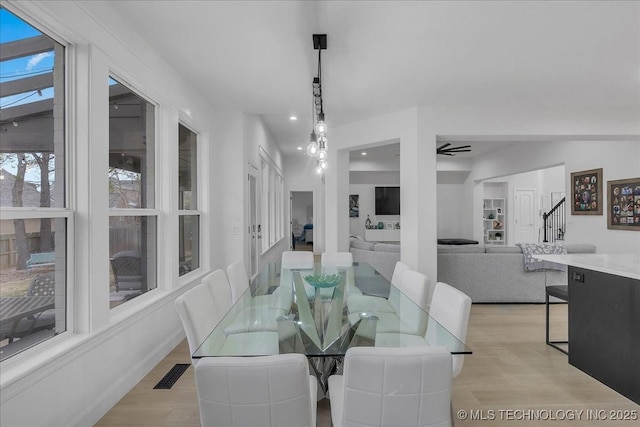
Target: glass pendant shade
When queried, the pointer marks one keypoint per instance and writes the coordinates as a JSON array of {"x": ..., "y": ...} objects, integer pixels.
[
  {"x": 323, "y": 164},
  {"x": 312, "y": 148},
  {"x": 321, "y": 126},
  {"x": 322, "y": 147},
  {"x": 319, "y": 169}
]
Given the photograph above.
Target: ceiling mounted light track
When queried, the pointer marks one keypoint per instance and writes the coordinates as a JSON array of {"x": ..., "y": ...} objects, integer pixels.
[{"x": 451, "y": 151}]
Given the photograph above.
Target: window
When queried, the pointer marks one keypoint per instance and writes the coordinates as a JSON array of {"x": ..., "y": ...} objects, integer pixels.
[
  {"x": 272, "y": 221},
  {"x": 34, "y": 225},
  {"x": 131, "y": 177},
  {"x": 188, "y": 215}
]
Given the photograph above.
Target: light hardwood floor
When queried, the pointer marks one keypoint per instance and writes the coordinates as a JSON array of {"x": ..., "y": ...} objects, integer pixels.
[{"x": 512, "y": 372}]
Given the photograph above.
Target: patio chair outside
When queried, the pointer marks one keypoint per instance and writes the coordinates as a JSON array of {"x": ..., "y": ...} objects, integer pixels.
[{"x": 127, "y": 270}]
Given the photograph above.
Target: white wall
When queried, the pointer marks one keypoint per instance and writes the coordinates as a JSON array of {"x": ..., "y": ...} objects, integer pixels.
[
  {"x": 454, "y": 212},
  {"x": 454, "y": 198},
  {"x": 553, "y": 181},
  {"x": 619, "y": 160}
]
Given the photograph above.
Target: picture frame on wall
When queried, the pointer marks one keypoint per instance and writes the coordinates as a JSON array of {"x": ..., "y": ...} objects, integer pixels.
[
  {"x": 623, "y": 207},
  {"x": 354, "y": 206},
  {"x": 586, "y": 192}
]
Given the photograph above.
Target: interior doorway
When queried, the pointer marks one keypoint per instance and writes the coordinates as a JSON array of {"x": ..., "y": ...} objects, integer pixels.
[{"x": 301, "y": 215}]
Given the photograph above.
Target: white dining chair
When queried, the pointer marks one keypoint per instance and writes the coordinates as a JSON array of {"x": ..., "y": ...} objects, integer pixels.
[
  {"x": 238, "y": 279},
  {"x": 398, "y": 271},
  {"x": 299, "y": 259},
  {"x": 392, "y": 386},
  {"x": 290, "y": 260},
  {"x": 239, "y": 282},
  {"x": 408, "y": 315},
  {"x": 269, "y": 391},
  {"x": 220, "y": 290},
  {"x": 252, "y": 314},
  {"x": 198, "y": 314},
  {"x": 337, "y": 260},
  {"x": 451, "y": 308},
  {"x": 370, "y": 303}
]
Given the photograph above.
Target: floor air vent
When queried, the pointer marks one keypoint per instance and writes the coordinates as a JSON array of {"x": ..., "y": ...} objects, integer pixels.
[{"x": 172, "y": 376}]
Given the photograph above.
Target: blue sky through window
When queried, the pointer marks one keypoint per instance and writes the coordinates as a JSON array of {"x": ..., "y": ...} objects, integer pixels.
[{"x": 13, "y": 28}]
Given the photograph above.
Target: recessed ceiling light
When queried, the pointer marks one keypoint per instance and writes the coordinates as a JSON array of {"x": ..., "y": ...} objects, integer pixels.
[
  {"x": 293, "y": 118},
  {"x": 299, "y": 148},
  {"x": 364, "y": 153}
]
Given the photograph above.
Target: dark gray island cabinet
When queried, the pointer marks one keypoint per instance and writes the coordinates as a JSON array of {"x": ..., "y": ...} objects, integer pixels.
[{"x": 604, "y": 318}]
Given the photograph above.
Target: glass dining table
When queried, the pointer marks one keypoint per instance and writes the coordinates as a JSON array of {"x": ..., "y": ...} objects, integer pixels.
[{"x": 321, "y": 312}]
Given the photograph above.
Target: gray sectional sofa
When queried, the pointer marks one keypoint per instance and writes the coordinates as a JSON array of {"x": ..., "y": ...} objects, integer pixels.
[
  {"x": 382, "y": 256},
  {"x": 486, "y": 274},
  {"x": 497, "y": 274}
]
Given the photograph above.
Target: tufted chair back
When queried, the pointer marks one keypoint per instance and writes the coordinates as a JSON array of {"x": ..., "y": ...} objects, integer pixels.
[
  {"x": 267, "y": 391},
  {"x": 407, "y": 386},
  {"x": 451, "y": 308},
  {"x": 238, "y": 279}
]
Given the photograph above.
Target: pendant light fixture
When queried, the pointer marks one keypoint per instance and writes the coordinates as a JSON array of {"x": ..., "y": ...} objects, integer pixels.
[
  {"x": 318, "y": 140},
  {"x": 312, "y": 148}
]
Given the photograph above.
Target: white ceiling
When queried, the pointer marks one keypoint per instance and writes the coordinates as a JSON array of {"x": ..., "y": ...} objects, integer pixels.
[{"x": 257, "y": 56}]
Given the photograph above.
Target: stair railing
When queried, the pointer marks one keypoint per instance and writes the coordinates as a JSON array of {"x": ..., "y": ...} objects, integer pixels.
[{"x": 555, "y": 222}]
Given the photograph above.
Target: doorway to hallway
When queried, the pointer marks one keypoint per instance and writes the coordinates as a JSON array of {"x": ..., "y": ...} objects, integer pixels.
[{"x": 301, "y": 215}]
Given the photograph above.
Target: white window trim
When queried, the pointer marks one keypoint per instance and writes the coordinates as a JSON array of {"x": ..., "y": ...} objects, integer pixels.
[
  {"x": 134, "y": 212},
  {"x": 200, "y": 137},
  {"x": 273, "y": 225}
]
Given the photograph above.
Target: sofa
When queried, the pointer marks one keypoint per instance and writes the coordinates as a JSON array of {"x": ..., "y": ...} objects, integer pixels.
[
  {"x": 488, "y": 274},
  {"x": 497, "y": 274},
  {"x": 381, "y": 256}
]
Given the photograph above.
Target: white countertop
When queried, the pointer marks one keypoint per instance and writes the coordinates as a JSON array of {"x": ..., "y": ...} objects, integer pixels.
[{"x": 625, "y": 265}]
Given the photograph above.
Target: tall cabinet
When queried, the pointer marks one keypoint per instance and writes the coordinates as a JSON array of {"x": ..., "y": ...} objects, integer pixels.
[{"x": 494, "y": 223}]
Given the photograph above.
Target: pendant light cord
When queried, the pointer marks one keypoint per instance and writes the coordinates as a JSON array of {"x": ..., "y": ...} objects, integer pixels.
[{"x": 320, "y": 78}]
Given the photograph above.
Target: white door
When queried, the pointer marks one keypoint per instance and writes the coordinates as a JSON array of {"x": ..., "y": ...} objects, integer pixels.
[
  {"x": 253, "y": 235},
  {"x": 524, "y": 218}
]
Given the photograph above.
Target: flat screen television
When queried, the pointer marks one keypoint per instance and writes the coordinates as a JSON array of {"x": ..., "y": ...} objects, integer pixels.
[{"x": 387, "y": 200}]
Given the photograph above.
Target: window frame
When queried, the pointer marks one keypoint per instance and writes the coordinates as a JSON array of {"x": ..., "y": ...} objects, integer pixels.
[
  {"x": 66, "y": 208},
  {"x": 155, "y": 212},
  {"x": 191, "y": 212}
]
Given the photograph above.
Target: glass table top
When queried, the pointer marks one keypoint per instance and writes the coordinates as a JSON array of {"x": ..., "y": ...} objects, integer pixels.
[{"x": 283, "y": 312}]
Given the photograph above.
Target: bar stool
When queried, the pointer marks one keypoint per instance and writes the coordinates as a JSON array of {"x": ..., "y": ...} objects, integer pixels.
[{"x": 560, "y": 292}]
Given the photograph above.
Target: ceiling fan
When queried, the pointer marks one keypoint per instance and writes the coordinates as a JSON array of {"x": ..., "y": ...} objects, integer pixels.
[{"x": 451, "y": 151}]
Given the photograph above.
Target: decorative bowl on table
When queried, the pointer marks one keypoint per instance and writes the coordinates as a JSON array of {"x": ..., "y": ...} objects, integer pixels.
[{"x": 323, "y": 280}]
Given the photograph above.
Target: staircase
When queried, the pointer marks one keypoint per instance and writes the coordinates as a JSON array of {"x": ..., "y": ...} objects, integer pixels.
[{"x": 555, "y": 223}]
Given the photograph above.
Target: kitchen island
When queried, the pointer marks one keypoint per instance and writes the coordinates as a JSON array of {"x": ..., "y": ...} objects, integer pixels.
[{"x": 604, "y": 318}]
